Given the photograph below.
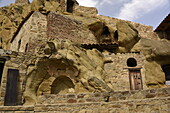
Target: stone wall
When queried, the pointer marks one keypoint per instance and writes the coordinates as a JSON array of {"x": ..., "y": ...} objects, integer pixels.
[
  {"x": 19, "y": 61},
  {"x": 147, "y": 101},
  {"x": 32, "y": 34},
  {"x": 117, "y": 72}
]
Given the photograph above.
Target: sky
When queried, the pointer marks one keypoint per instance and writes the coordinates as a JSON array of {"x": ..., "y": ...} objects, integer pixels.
[{"x": 147, "y": 12}]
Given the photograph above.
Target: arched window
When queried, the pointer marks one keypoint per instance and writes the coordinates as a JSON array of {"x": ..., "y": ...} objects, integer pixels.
[
  {"x": 131, "y": 62},
  {"x": 62, "y": 84}
]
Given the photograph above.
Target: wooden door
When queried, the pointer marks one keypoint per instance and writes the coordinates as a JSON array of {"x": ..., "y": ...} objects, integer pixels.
[
  {"x": 11, "y": 87},
  {"x": 135, "y": 80}
]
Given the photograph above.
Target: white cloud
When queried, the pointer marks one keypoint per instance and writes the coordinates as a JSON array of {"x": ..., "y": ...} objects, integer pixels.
[
  {"x": 89, "y": 3},
  {"x": 137, "y": 8}
]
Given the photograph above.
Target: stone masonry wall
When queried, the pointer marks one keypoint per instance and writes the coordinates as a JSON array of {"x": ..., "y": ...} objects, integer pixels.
[
  {"x": 32, "y": 34},
  {"x": 117, "y": 72},
  {"x": 144, "y": 101},
  {"x": 21, "y": 62}
]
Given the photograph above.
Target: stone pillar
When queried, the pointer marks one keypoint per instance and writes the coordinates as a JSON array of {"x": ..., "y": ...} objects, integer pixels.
[{"x": 21, "y": 2}]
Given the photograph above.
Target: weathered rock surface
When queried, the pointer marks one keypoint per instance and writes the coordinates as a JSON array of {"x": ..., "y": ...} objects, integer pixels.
[
  {"x": 155, "y": 77},
  {"x": 11, "y": 17},
  {"x": 127, "y": 35},
  {"x": 83, "y": 67},
  {"x": 22, "y": 2},
  {"x": 154, "y": 50}
]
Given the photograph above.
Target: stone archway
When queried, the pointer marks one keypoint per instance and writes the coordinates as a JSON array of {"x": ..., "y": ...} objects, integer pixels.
[
  {"x": 61, "y": 85},
  {"x": 43, "y": 76}
]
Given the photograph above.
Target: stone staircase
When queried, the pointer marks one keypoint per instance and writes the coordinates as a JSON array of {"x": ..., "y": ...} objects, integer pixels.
[{"x": 144, "y": 101}]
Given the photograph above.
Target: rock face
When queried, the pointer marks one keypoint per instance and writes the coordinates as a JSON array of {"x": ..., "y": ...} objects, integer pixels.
[
  {"x": 155, "y": 77},
  {"x": 127, "y": 35},
  {"x": 157, "y": 50},
  {"x": 22, "y": 2},
  {"x": 82, "y": 69}
]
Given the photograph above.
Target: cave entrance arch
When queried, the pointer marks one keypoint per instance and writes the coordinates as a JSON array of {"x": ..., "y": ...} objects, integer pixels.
[
  {"x": 166, "y": 70},
  {"x": 62, "y": 84}
]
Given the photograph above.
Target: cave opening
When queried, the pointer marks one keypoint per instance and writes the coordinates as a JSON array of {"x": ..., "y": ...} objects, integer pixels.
[
  {"x": 166, "y": 70},
  {"x": 2, "y": 63},
  {"x": 61, "y": 85},
  {"x": 70, "y": 5}
]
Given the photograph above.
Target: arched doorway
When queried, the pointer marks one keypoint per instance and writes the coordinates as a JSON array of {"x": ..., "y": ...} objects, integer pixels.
[
  {"x": 135, "y": 77},
  {"x": 61, "y": 85}
]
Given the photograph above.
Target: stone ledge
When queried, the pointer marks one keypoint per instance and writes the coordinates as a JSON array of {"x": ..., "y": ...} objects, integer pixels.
[
  {"x": 16, "y": 108},
  {"x": 105, "y": 97}
]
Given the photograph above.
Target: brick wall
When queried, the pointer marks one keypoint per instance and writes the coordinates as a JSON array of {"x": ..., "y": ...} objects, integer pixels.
[{"x": 62, "y": 27}]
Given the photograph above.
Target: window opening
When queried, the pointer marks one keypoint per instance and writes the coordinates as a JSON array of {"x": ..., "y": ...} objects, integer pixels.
[
  {"x": 19, "y": 44},
  {"x": 131, "y": 62},
  {"x": 70, "y": 5},
  {"x": 26, "y": 47},
  {"x": 116, "y": 35}
]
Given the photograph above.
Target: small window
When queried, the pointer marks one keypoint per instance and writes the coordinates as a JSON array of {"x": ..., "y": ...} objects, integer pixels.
[
  {"x": 116, "y": 35},
  {"x": 26, "y": 47},
  {"x": 131, "y": 62},
  {"x": 61, "y": 85},
  {"x": 19, "y": 44}
]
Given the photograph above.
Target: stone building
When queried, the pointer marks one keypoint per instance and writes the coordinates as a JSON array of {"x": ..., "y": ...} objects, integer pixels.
[{"x": 58, "y": 56}]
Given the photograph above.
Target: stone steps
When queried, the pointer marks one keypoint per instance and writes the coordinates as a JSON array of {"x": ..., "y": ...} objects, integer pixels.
[
  {"x": 144, "y": 101},
  {"x": 104, "y": 97},
  {"x": 159, "y": 105}
]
